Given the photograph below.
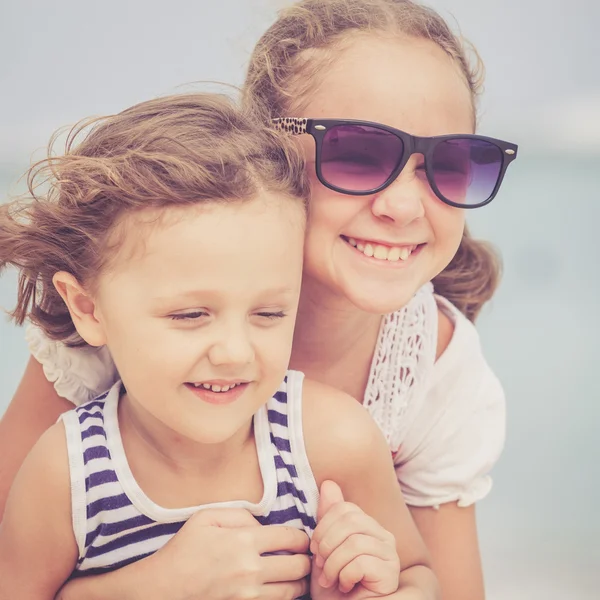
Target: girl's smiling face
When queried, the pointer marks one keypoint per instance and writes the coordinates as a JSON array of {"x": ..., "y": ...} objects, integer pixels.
[
  {"x": 413, "y": 85},
  {"x": 204, "y": 296}
]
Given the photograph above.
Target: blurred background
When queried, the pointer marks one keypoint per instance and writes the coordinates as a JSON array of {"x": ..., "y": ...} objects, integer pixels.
[{"x": 540, "y": 527}]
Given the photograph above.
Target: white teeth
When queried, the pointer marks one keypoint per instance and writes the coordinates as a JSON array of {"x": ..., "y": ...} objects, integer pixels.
[
  {"x": 215, "y": 388},
  {"x": 381, "y": 252},
  {"x": 394, "y": 254},
  {"x": 389, "y": 253}
]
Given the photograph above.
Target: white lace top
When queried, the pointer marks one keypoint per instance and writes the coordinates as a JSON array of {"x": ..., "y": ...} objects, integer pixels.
[{"x": 444, "y": 419}]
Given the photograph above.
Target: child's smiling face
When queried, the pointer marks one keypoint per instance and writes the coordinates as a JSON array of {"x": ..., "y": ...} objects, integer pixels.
[{"x": 204, "y": 296}]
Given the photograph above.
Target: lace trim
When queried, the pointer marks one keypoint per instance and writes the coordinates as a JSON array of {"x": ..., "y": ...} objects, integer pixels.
[{"x": 403, "y": 360}]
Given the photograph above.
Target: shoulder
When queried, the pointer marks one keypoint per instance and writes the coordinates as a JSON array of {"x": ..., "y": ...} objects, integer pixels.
[
  {"x": 339, "y": 435},
  {"x": 457, "y": 428},
  {"x": 41, "y": 489},
  {"x": 36, "y": 528},
  {"x": 48, "y": 463},
  {"x": 461, "y": 361}
]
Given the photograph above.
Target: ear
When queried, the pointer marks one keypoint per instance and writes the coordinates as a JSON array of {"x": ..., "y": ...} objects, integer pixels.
[{"x": 82, "y": 308}]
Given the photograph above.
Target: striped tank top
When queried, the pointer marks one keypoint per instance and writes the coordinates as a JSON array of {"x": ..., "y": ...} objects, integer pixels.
[{"x": 116, "y": 524}]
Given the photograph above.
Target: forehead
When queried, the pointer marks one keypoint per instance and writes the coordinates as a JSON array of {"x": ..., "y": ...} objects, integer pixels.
[
  {"x": 231, "y": 246},
  {"x": 407, "y": 83}
]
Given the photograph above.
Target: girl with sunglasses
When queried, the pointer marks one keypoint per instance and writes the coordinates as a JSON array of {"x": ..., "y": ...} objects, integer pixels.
[{"x": 382, "y": 99}]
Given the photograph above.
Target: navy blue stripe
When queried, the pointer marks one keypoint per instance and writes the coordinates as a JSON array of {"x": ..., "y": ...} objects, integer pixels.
[
  {"x": 281, "y": 397},
  {"x": 83, "y": 416},
  {"x": 108, "y": 529},
  {"x": 141, "y": 535},
  {"x": 108, "y": 503},
  {"x": 281, "y": 517},
  {"x": 99, "y": 478},
  {"x": 277, "y": 417},
  {"x": 287, "y": 487},
  {"x": 92, "y": 430},
  {"x": 113, "y": 567},
  {"x": 97, "y": 403},
  {"x": 94, "y": 453},
  {"x": 279, "y": 464},
  {"x": 280, "y": 443}
]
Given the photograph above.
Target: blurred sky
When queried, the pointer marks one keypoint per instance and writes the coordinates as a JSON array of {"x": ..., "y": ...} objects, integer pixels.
[{"x": 68, "y": 59}]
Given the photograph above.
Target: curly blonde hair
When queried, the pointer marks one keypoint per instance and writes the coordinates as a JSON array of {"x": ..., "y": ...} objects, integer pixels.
[
  {"x": 173, "y": 151},
  {"x": 285, "y": 66}
]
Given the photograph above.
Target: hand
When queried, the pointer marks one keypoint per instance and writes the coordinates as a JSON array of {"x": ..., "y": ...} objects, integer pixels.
[
  {"x": 354, "y": 557},
  {"x": 216, "y": 555}
]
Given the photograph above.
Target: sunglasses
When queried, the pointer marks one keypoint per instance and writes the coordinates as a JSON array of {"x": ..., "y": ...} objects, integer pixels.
[{"x": 360, "y": 158}]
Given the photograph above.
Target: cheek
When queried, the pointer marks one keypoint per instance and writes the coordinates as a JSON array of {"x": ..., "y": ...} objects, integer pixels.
[{"x": 448, "y": 224}]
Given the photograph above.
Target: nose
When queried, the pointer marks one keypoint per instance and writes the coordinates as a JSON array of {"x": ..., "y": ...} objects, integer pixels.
[
  {"x": 402, "y": 201},
  {"x": 231, "y": 346}
]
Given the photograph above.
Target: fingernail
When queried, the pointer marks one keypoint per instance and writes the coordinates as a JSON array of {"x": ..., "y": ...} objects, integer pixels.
[{"x": 323, "y": 581}]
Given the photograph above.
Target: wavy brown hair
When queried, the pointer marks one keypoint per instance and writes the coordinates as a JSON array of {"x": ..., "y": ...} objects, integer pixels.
[
  {"x": 173, "y": 151},
  {"x": 289, "y": 58}
]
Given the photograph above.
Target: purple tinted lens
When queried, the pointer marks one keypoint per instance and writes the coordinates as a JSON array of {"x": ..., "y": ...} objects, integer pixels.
[
  {"x": 466, "y": 170},
  {"x": 357, "y": 158}
]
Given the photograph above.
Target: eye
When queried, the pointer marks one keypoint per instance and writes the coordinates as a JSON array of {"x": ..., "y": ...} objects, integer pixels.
[
  {"x": 189, "y": 316},
  {"x": 272, "y": 315}
]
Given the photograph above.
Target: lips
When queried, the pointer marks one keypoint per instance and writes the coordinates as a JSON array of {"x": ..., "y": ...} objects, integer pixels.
[{"x": 226, "y": 394}]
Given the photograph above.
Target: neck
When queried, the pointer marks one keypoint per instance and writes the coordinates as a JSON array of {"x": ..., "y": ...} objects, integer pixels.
[
  {"x": 179, "y": 453},
  {"x": 329, "y": 329}
]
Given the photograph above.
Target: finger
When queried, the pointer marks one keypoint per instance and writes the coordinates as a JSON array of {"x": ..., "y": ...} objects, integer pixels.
[
  {"x": 368, "y": 570},
  {"x": 293, "y": 567},
  {"x": 332, "y": 516},
  {"x": 224, "y": 517},
  {"x": 285, "y": 591},
  {"x": 330, "y": 494},
  {"x": 328, "y": 520},
  {"x": 352, "y": 548},
  {"x": 338, "y": 528},
  {"x": 275, "y": 538}
]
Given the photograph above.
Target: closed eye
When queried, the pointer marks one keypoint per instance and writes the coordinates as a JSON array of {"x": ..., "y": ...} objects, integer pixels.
[
  {"x": 197, "y": 314},
  {"x": 272, "y": 315}
]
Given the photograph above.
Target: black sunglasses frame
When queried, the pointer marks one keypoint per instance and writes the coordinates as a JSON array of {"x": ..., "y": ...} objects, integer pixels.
[{"x": 412, "y": 144}]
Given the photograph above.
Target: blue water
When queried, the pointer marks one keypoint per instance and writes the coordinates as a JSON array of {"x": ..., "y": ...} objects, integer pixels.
[{"x": 540, "y": 527}]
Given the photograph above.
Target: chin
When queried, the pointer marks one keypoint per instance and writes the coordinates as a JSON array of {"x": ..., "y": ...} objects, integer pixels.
[{"x": 380, "y": 301}]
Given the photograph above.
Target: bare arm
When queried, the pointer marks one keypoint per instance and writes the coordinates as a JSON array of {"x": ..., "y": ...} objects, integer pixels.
[
  {"x": 450, "y": 534},
  {"x": 38, "y": 551},
  {"x": 345, "y": 445},
  {"x": 34, "y": 408}
]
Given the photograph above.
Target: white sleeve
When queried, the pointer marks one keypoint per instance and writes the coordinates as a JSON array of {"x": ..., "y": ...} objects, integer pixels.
[
  {"x": 457, "y": 429},
  {"x": 78, "y": 374}
]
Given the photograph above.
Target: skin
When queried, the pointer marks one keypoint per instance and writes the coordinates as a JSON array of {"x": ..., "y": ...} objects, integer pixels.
[
  {"x": 171, "y": 317},
  {"x": 342, "y": 299}
]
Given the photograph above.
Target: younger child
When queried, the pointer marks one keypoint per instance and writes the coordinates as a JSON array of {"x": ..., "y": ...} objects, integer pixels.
[{"x": 172, "y": 236}]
